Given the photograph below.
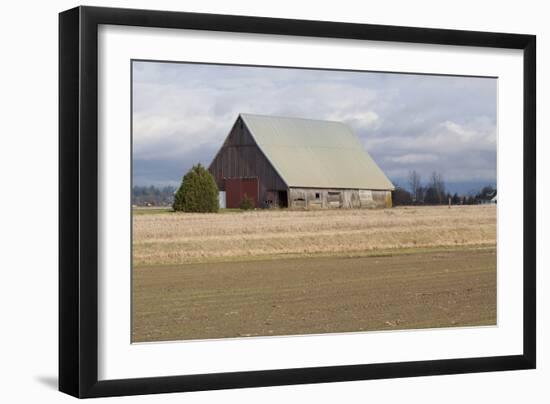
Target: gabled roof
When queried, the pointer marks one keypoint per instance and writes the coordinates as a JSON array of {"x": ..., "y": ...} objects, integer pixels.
[{"x": 315, "y": 154}]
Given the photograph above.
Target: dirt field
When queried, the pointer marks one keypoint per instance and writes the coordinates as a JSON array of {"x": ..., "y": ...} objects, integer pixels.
[
  {"x": 235, "y": 274},
  {"x": 314, "y": 295},
  {"x": 179, "y": 238}
]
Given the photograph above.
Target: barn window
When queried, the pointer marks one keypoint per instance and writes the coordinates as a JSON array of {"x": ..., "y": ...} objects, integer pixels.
[{"x": 317, "y": 195}]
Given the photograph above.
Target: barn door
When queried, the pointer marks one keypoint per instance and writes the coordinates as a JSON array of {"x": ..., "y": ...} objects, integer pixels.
[{"x": 237, "y": 188}]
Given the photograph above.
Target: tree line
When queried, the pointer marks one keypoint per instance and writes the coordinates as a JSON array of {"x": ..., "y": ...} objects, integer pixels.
[
  {"x": 416, "y": 192},
  {"x": 433, "y": 192},
  {"x": 152, "y": 195},
  {"x": 198, "y": 192}
]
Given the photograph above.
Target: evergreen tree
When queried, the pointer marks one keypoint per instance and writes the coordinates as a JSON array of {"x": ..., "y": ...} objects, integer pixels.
[
  {"x": 456, "y": 199},
  {"x": 198, "y": 192}
]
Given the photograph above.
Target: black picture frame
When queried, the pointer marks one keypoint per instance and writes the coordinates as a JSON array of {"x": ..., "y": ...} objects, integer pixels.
[{"x": 78, "y": 201}]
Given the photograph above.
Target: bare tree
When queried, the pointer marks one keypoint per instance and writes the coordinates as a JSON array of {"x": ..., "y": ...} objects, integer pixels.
[
  {"x": 437, "y": 189},
  {"x": 415, "y": 185}
]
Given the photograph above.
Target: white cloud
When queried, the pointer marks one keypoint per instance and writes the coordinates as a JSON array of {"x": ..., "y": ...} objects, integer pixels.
[
  {"x": 413, "y": 158},
  {"x": 182, "y": 113},
  {"x": 358, "y": 119}
]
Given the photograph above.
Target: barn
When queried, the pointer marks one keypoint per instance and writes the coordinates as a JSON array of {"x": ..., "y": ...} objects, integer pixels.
[{"x": 297, "y": 163}]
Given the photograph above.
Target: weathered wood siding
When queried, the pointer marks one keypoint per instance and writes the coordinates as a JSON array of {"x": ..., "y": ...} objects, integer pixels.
[
  {"x": 310, "y": 198},
  {"x": 240, "y": 157}
]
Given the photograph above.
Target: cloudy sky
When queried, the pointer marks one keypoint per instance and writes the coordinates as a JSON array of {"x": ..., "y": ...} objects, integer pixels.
[{"x": 183, "y": 112}]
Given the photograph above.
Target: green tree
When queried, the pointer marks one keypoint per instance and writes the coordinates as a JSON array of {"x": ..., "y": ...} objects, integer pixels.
[
  {"x": 456, "y": 199},
  {"x": 401, "y": 197},
  {"x": 198, "y": 192}
]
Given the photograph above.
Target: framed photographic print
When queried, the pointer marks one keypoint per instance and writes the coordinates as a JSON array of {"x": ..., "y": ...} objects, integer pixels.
[{"x": 250, "y": 201}]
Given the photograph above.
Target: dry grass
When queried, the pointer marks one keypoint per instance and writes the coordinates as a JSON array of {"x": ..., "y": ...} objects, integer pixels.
[{"x": 179, "y": 238}]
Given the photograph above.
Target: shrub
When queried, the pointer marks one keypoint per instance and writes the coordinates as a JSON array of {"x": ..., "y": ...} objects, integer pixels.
[
  {"x": 246, "y": 203},
  {"x": 198, "y": 192}
]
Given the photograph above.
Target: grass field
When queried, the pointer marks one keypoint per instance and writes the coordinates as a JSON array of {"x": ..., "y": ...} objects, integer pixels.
[
  {"x": 238, "y": 274},
  {"x": 179, "y": 238}
]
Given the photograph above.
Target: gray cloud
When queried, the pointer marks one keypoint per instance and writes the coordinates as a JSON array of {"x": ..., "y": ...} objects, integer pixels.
[{"x": 182, "y": 113}]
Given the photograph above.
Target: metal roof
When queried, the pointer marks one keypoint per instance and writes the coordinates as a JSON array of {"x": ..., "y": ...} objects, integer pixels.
[{"x": 315, "y": 154}]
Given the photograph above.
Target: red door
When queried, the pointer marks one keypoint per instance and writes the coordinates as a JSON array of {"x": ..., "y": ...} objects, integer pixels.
[{"x": 237, "y": 188}]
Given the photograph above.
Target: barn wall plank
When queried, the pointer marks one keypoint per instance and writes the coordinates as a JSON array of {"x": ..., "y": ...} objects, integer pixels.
[
  {"x": 311, "y": 198},
  {"x": 240, "y": 157}
]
